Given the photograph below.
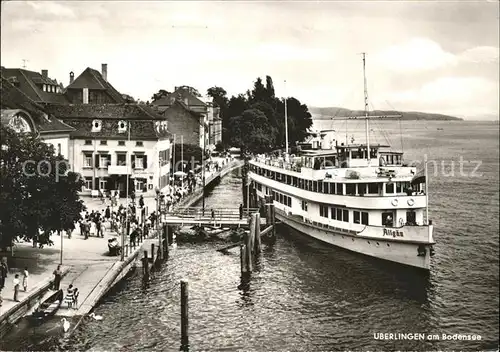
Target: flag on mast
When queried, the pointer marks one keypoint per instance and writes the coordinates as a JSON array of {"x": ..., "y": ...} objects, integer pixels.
[{"x": 419, "y": 177}]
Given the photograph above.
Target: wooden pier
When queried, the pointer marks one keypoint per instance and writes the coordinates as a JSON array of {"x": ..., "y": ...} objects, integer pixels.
[{"x": 216, "y": 217}]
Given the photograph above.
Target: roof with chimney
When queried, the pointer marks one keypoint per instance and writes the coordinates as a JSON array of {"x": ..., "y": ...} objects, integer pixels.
[
  {"x": 13, "y": 98},
  {"x": 93, "y": 79},
  {"x": 182, "y": 105},
  {"x": 143, "y": 120},
  {"x": 184, "y": 94},
  {"x": 104, "y": 111},
  {"x": 32, "y": 84}
]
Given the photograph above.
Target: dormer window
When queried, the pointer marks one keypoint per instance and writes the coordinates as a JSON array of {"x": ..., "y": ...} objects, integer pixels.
[{"x": 44, "y": 87}]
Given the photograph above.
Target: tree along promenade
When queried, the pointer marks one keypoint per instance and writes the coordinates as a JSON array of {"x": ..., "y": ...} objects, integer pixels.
[{"x": 86, "y": 265}]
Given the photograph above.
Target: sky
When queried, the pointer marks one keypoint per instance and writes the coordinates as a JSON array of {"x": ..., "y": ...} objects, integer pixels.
[{"x": 430, "y": 56}]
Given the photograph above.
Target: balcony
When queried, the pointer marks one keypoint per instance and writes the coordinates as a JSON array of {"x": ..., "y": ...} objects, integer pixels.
[{"x": 119, "y": 170}]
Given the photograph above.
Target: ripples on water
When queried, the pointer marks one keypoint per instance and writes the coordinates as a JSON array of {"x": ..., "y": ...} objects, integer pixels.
[{"x": 305, "y": 296}]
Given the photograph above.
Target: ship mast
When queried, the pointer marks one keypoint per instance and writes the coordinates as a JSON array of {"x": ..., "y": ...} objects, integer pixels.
[
  {"x": 286, "y": 125},
  {"x": 367, "y": 127}
]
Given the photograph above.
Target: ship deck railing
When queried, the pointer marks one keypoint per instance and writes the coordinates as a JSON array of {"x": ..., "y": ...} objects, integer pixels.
[{"x": 279, "y": 163}]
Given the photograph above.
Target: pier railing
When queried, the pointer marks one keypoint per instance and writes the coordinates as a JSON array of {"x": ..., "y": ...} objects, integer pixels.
[{"x": 218, "y": 214}]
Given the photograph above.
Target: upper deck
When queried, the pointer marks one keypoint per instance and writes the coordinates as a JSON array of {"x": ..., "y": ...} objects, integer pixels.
[{"x": 346, "y": 163}]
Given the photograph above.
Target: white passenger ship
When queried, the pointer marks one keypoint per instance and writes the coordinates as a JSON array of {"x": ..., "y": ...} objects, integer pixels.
[{"x": 361, "y": 197}]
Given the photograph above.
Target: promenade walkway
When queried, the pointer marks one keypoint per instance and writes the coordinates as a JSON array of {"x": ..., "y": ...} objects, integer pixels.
[{"x": 85, "y": 262}]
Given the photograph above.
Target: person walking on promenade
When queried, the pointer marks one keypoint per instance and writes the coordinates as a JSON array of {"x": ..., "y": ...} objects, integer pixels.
[
  {"x": 103, "y": 228},
  {"x": 75, "y": 298},
  {"x": 57, "y": 277},
  {"x": 25, "y": 279},
  {"x": 16, "y": 283},
  {"x": 107, "y": 213},
  {"x": 69, "y": 299},
  {"x": 82, "y": 227},
  {"x": 133, "y": 237},
  {"x": 98, "y": 226},
  {"x": 3, "y": 274}
]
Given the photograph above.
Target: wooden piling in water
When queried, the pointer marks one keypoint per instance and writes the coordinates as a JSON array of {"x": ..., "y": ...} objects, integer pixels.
[
  {"x": 251, "y": 234},
  {"x": 248, "y": 253},
  {"x": 184, "y": 316},
  {"x": 167, "y": 242},
  {"x": 145, "y": 265},
  {"x": 160, "y": 243},
  {"x": 243, "y": 260},
  {"x": 153, "y": 252},
  {"x": 126, "y": 250},
  {"x": 273, "y": 219},
  {"x": 258, "y": 243}
]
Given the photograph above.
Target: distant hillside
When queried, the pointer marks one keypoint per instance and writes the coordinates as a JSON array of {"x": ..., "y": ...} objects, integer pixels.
[{"x": 332, "y": 112}]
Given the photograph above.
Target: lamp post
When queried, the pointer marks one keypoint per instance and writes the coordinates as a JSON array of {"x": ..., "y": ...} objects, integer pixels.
[
  {"x": 126, "y": 227},
  {"x": 203, "y": 170}
]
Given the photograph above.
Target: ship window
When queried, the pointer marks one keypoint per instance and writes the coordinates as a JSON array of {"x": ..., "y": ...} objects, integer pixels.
[
  {"x": 304, "y": 205},
  {"x": 332, "y": 188},
  {"x": 333, "y": 213},
  {"x": 362, "y": 189},
  {"x": 373, "y": 188},
  {"x": 399, "y": 187},
  {"x": 310, "y": 185},
  {"x": 339, "y": 214},
  {"x": 340, "y": 188},
  {"x": 350, "y": 189},
  {"x": 364, "y": 218},
  {"x": 281, "y": 198},
  {"x": 411, "y": 218},
  {"x": 323, "y": 211},
  {"x": 320, "y": 186},
  {"x": 387, "y": 219},
  {"x": 345, "y": 215},
  {"x": 357, "y": 216},
  {"x": 315, "y": 186},
  {"x": 389, "y": 188}
]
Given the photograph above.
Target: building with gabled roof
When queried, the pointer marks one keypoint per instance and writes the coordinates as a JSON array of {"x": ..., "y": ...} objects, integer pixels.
[
  {"x": 190, "y": 116},
  {"x": 24, "y": 115},
  {"x": 38, "y": 87},
  {"x": 111, "y": 141},
  {"x": 92, "y": 87}
]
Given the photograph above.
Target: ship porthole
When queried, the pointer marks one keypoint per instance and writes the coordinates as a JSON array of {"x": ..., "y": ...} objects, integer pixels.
[
  {"x": 378, "y": 244},
  {"x": 388, "y": 245},
  {"x": 368, "y": 242},
  {"x": 353, "y": 239},
  {"x": 342, "y": 236}
]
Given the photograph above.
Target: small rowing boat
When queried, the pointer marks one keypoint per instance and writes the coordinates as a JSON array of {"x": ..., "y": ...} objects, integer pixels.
[{"x": 48, "y": 307}]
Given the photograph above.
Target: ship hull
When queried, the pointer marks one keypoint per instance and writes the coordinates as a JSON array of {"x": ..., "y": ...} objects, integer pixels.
[{"x": 393, "y": 251}]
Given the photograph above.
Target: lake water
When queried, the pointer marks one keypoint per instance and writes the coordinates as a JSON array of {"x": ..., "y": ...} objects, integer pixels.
[{"x": 307, "y": 296}]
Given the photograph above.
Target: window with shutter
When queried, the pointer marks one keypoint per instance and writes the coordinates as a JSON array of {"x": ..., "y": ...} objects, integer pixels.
[
  {"x": 97, "y": 161},
  {"x": 109, "y": 159},
  {"x": 132, "y": 160},
  {"x": 145, "y": 162}
]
